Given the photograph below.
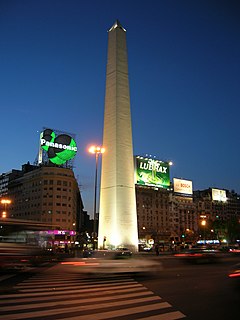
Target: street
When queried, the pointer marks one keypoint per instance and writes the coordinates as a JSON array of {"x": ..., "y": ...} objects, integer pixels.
[
  {"x": 179, "y": 290},
  {"x": 201, "y": 291}
]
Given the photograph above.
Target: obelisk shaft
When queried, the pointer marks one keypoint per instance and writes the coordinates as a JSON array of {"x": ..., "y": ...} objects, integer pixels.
[{"x": 117, "y": 214}]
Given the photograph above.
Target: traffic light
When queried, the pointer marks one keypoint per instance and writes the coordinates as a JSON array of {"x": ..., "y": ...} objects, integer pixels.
[{"x": 4, "y": 214}]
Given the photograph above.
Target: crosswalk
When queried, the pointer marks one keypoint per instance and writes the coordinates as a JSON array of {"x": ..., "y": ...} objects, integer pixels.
[{"x": 57, "y": 295}]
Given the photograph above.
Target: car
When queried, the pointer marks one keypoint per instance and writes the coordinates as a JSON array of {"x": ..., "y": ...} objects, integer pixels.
[
  {"x": 234, "y": 250},
  {"x": 199, "y": 255},
  {"x": 110, "y": 262},
  {"x": 123, "y": 252},
  {"x": 18, "y": 256},
  {"x": 234, "y": 275}
]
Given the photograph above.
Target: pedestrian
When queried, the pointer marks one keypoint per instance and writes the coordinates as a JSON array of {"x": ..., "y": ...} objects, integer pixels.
[
  {"x": 66, "y": 248},
  {"x": 85, "y": 253}
]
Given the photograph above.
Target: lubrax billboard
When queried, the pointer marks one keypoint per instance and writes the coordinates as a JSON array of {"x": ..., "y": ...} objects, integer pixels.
[
  {"x": 152, "y": 172},
  {"x": 60, "y": 148}
]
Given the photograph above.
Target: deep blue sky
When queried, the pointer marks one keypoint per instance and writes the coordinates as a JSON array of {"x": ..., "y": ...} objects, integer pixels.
[{"x": 184, "y": 72}]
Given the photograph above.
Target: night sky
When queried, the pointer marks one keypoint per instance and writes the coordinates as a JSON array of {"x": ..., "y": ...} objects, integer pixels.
[{"x": 184, "y": 73}]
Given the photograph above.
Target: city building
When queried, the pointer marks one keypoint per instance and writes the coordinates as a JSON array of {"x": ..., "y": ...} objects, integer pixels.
[
  {"x": 153, "y": 213},
  {"x": 165, "y": 217},
  {"x": 183, "y": 218},
  {"x": 49, "y": 194},
  {"x": 220, "y": 211},
  {"x": 225, "y": 207},
  {"x": 6, "y": 178},
  {"x": 45, "y": 193}
]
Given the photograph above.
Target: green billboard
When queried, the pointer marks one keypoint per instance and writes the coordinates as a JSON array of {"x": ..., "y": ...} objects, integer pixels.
[
  {"x": 151, "y": 172},
  {"x": 60, "y": 148}
]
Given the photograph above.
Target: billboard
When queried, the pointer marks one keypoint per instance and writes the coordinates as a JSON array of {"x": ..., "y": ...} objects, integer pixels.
[
  {"x": 151, "y": 172},
  {"x": 182, "y": 186},
  {"x": 219, "y": 195},
  {"x": 59, "y": 148}
]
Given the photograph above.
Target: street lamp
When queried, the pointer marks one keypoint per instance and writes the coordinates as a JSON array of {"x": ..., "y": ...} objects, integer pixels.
[
  {"x": 203, "y": 223},
  {"x": 97, "y": 151},
  {"x": 5, "y": 202}
]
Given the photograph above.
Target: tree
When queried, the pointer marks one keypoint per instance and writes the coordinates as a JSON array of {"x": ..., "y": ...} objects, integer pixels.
[{"x": 233, "y": 229}]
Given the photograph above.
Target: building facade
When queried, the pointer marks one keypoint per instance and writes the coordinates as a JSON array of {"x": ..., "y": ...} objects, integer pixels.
[
  {"x": 225, "y": 209},
  {"x": 221, "y": 214},
  {"x": 51, "y": 195},
  {"x": 44, "y": 194},
  {"x": 166, "y": 217}
]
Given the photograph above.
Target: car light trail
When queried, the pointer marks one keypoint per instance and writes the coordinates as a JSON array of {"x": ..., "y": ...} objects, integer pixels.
[{"x": 80, "y": 263}]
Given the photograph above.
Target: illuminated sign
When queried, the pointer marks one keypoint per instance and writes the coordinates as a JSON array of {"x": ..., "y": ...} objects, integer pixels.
[
  {"x": 62, "y": 232},
  {"x": 151, "y": 172},
  {"x": 59, "y": 232},
  {"x": 59, "y": 148},
  {"x": 219, "y": 195},
  {"x": 182, "y": 186}
]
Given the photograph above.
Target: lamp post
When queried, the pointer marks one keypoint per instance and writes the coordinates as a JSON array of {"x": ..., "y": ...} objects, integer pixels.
[
  {"x": 97, "y": 151},
  {"x": 5, "y": 202}
]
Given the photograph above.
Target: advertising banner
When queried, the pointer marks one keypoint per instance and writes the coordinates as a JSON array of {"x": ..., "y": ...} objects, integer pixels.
[
  {"x": 59, "y": 148},
  {"x": 219, "y": 195},
  {"x": 151, "y": 172},
  {"x": 182, "y": 186}
]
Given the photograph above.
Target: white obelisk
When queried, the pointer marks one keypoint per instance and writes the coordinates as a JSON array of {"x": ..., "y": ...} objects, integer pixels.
[{"x": 117, "y": 214}]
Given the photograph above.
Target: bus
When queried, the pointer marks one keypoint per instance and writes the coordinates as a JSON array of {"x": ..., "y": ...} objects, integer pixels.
[{"x": 22, "y": 243}]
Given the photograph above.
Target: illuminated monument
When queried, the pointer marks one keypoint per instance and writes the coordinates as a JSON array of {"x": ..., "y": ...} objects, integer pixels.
[{"x": 117, "y": 214}]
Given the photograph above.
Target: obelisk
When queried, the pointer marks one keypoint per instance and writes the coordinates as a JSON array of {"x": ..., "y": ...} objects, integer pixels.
[{"x": 117, "y": 212}]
